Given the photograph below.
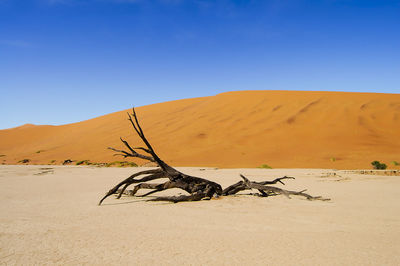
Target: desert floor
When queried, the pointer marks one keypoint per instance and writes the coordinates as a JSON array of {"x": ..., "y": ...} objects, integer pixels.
[{"x": 50, "y": 216}]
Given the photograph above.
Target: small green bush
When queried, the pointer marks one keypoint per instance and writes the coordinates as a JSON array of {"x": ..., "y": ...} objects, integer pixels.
[
  {"x": 121, "y": 164},
  {"x": 100, "y": 164},
  {"x": 39, "y": 151},
  {"x": 83, "y": 162},
  {"x": 52, "y": 161},
  {"x": 24, "y": 161},
  {"x": 379, "y": 166},
  {"x": 265, "y": 166},
  {"x": 395, "y": 163}
]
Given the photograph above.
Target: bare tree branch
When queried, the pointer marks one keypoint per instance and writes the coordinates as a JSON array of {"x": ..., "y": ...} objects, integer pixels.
[{"x": 198, "y": 188}]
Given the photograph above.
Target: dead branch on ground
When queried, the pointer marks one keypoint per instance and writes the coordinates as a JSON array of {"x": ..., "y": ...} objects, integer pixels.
[{"x": 198, "y": 188}]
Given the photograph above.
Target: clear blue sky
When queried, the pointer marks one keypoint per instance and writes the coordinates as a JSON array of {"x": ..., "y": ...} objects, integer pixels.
[{"x": 64, "y": 61}]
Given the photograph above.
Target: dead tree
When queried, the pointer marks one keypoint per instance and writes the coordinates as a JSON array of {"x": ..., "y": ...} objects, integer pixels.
[
  {"x": 266, "y": 191},
  {"x": 198, "y": 188}
]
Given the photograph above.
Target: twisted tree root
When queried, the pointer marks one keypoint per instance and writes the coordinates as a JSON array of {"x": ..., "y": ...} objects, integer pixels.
[{"x": 198, "y": 188}]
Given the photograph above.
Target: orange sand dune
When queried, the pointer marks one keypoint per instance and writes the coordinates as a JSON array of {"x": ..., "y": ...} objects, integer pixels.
[{"x": 237, "y": 129}]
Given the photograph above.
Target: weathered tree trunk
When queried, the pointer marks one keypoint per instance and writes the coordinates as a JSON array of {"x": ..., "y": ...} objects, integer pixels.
[
  {"x": 267, "y": 190},
  {"x": 198, "y": 188}
]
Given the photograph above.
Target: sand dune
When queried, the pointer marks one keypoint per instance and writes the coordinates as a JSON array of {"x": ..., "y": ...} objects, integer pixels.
[{"x": 236, "y": 129}]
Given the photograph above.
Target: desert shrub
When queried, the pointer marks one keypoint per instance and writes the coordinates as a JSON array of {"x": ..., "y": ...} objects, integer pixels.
[
  {"x": 122, "y": 164},
  {"x": 39, "y": 151},
  {"x": 129, "y": 164},
  {"x": 100, "y": 164},
  {"x": 2, "y": 155},
  {"x": 24, "y": 161},
  {"x": 83, "y": 162},
  {"x": 378, "y": 165},
  {"x": 395, "y": 163},
  {"x": 265, "y": 166},
  {"x": 52, "y": 161},
  {"x": 333, "y": 159}
]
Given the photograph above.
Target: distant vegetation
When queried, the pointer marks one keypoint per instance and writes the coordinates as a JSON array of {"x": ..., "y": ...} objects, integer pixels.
[
  {"x": 52, "y": 161},
  {"x": 378, "y": 165},
  {"x": 24, "y": 161},
  {"x": 112, "y": 164},
  {"x": 84, "y": 162},
  {"x": 39, "y": 151},
  {"x": 121, "y": 164},
  {"x": 395, "y": 163},
  {"x": 265, "y": 166},
  {"x": 333, "y": 159},
  {"x": 68, "y": 161},
  {"x": 2, "y": 155}
]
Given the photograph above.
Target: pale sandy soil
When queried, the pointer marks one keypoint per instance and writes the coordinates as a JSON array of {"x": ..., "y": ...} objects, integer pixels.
[{"x": 53, "y": 218}]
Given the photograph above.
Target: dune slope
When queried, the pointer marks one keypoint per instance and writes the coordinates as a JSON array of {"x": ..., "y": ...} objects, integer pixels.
[{"x": 237, "y": 129}]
